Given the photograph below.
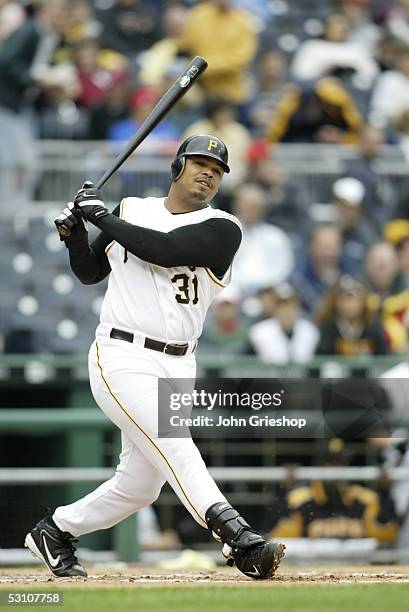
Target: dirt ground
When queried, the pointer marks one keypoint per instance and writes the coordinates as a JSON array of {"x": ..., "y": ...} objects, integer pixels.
[{"x": 150, "y": 577}]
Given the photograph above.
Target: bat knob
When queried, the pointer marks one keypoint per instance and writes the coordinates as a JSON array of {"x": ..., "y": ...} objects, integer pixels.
[{"x": 63, "y": 230}]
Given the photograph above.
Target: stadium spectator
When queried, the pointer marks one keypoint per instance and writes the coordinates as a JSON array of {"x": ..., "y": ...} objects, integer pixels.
[
  {"x": 79, "y": 24},
  {"x": 269, "y": 87},
  {"x": 265, "y": 257},
  {"x": 156, "y": 60},
  {"x": 402, "y": 210},
  {"x": 320, "y": 267},
  {"x": 128, "y": 26},
  {"x": 27, "y": 48},
  {"x": 142, "y": 102},
  {"x": 267, "y": 301},
  {"x": 114, "y": 108},
  {"x": 357, "y": 233},
  {"x": 348, "y": 326},
  {"x": 403, "y": 255},
  {"x": 315, "y": 111},
  {"x": 362, "y": 29},
  {"x": 401, "y": 132},
  {"x": 53, "y": 68},
  {"x": 376, "y": 207},
  {"x": 220, "y": 118},
  {"x": 287, "y": 336},
  {"x": 393, "y": 16},
  {"x": 190, "y": 107},
  {"x": 334, "y": 52},
  {"x": 390, "y": 96},
  {"x": 396, "y": 232},
  {"x": 286, "y": 208},
  {"x": 337, "y": 509},
  {"x": 227, "y": 38},
  {"x": 12, "y": 16},
  {"x": 388, "y": 48},
  {"x": 389, "y": 297},
  {"x": 226, "y": 331},
  {"x": 259, "y": 8},
  {"x": 97, "y": 71}
]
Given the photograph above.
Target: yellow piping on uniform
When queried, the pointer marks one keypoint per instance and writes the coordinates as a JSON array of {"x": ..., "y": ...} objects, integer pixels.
[
  {"x": 214, "y": 278},
  {"x": 146, "y": 435}
]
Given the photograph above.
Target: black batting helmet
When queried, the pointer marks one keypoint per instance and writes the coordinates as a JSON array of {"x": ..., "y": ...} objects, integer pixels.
[{"x": 206, "y": 145}]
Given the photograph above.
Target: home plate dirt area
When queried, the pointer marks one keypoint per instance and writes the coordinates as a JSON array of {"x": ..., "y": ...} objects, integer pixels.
[{"x": 150, "y": 577}]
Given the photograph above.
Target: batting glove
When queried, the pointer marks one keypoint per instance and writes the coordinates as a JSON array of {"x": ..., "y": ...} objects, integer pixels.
[
  {"x": 89, "y": 202},
  {"x": 69, "y": 223}
]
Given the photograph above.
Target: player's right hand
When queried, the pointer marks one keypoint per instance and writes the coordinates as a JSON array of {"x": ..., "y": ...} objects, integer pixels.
[{"x": 68, "y": 221}]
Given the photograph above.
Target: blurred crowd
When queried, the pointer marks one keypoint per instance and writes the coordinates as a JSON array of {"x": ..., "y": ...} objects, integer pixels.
[
  {"x": 324, "y": 277},
  {"x": 340, "y": 509}
]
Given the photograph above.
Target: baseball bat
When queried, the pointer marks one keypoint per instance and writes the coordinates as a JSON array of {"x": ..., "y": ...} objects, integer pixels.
[{"x": 176, "y": 91}]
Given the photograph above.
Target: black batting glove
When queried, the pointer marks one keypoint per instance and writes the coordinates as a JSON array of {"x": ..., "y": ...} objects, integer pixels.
[
  {"x": 88, "y": 201},
  {"x": 70, "y": 224}
]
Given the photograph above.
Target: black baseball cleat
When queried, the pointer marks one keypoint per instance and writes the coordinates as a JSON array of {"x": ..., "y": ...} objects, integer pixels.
[
  {"x": 259, "y": 562},
  {"x": 245, "y": 547},
  {"x": 55, "y": 547}
]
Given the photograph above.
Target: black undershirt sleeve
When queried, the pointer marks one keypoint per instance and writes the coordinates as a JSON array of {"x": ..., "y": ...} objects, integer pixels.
[
  {"x": 90, "y": 264},
  {"x": 210, "y": 244}
]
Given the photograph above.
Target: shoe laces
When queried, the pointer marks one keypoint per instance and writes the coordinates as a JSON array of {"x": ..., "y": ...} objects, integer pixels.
[
  {"x": 236, "y": 542},
  {"x": 254, "y": 554},
  {"x": 67, "y": 550}
]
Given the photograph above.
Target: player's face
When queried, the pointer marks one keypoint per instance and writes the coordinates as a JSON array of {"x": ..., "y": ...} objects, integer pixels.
[{"x": 201, "y": 177}]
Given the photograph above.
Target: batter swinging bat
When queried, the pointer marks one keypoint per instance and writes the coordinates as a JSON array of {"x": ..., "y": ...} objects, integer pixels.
[{"x": 182, "y": 84}]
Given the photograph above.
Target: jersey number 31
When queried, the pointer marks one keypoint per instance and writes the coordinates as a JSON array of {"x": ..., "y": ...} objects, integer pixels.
[{"x": 186, "y": 295}]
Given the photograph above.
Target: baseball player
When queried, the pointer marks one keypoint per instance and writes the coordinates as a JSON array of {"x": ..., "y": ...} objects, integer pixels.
[{"x": 167, "y": 258}]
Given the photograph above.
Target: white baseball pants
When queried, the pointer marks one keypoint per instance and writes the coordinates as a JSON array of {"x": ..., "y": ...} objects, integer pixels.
[{"x": 124, "y": 382}]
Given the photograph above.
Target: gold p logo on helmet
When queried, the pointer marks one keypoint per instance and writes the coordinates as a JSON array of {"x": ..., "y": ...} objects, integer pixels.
[{"x": 213, "y": 144}]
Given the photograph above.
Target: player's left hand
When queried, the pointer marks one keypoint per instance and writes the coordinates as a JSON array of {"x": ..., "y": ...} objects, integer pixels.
[
  {"x": 70, "y": 224},
  {"x": 89, "y": 201}
]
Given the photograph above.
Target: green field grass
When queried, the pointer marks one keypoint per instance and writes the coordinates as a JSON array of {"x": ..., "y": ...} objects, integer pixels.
[{"x": 232, "y": 598}]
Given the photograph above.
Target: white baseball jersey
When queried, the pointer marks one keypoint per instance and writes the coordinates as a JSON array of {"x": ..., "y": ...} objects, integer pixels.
[{"x": 166, "y": 303}]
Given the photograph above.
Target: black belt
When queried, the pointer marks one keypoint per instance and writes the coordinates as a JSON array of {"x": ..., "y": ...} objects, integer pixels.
[{"x": 150, "y": 343}]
